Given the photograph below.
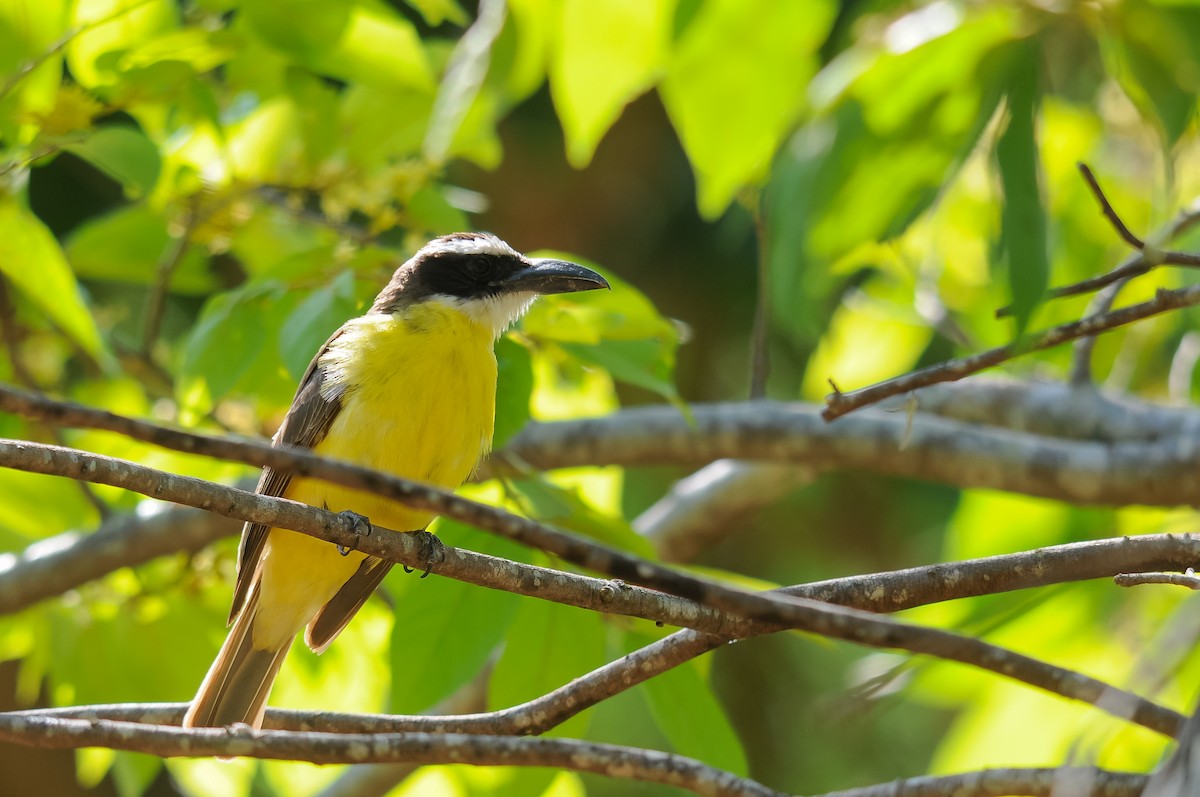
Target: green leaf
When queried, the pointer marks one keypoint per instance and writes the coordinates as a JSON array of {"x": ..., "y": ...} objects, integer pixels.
[
  {"x": 111, "y": 27},
  {"x": 314, "y": 320},
  {"x": 431, "y": 211},
  {"x": 1023, "y": 221},
  {"x": 123, "y": 153},
  {"x": 547, "y": 646},
  {"x": 435, "y": 12},
  {"x": 895, "y": 128},
  {"x": 126, "y": 246},
  {"x": 28, "y": 31},
  {"x": 564, "y": 508},
  {"x": 1151, "y": 52},
  {"x": 355, "y": 40},
  {"x": 32, "y": 260},
  {"x": 228, "y": 339},
  {"x": 689, "y": 714},
  {"x": 445, "y": 631},
  {"x": 606, "y": 54},
  {"x": 618, "y": 330},
  {"x": 36, "y": 506},
  {"x": 736, "y": 86},
  {"x": 514, "y": 387}
]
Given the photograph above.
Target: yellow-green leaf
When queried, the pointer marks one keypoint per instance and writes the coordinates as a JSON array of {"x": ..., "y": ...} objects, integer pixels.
[
  {"x": 33, "y": 261},
  {"x": 736, "y": 85},
  {"x": 605, "y": 55}
]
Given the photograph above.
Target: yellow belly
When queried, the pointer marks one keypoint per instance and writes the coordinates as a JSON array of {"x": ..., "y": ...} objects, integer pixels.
[{"x": 418, "y": 402}]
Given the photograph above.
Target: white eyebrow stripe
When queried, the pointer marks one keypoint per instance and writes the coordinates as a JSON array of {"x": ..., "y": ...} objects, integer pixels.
[{"x": 479, "y": 244}]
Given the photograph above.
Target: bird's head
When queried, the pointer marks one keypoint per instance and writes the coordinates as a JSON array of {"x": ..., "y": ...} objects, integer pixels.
[{"x": 481, "y": 276}]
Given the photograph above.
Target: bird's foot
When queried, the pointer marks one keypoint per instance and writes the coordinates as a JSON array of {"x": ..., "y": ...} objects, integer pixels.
[
  {"x": 433, "y": 551},
  {"x": 359, "y": 526}
]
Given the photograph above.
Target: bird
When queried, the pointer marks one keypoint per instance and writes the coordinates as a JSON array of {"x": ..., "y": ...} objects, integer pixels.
[{"x": 408, "y": 388}]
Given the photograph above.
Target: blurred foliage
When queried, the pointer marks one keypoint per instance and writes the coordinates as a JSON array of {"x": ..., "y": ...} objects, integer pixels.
[{"x": 194, "y": 194}]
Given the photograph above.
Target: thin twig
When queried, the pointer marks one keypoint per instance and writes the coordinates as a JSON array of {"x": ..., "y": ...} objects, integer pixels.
[
  {"x": 838, "y": 404},
  {"x": 1107, "y": 209},
  {"x": 164, "y": 270},
  {"x": 1145, "y": 258},
  {"x": 760, "y": 354},
  {"x": 1035, "y": 782},
  {"x": 1185, "y": 579}
]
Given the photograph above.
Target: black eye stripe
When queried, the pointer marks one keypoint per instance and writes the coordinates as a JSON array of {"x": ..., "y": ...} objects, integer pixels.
[{"x": 465, "y": 275}]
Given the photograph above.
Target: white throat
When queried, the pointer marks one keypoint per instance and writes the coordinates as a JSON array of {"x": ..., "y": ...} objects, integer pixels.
[{"x": 496, "y": 313}]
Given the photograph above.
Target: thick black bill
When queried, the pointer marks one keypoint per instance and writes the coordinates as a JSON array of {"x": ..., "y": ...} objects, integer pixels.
[{"x": 554, "y": 276}]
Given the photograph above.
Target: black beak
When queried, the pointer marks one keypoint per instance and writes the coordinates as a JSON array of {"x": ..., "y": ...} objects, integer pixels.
[{"x": 553, "y": 276}]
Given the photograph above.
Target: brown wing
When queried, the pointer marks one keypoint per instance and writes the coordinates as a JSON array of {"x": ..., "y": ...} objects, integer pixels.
[
  {"x": 305, "y": 425},
  {"x": 334, "y": 615}
]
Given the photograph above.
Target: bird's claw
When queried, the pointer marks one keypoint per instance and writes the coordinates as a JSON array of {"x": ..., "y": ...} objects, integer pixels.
[
  {"x": 359, "y": 526},
  {"x": 433, "y": 551}
]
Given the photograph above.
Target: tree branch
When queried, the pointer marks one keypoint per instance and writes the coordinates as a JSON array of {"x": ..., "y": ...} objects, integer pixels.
[
  {"x": 1159, "y": 472},
  {"x": 702, "y": 509},
  {"x": 417, "y": 748},
  {"x": 1037, "y": 782},
  {"x": 838, "y": 403}
]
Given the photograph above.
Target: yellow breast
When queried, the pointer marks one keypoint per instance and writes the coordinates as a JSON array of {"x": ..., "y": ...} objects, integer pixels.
[{"x": 418, "y": 393}]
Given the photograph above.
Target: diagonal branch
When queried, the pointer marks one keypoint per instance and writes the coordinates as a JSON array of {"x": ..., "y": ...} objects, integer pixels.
[{"x": 838, "y": 403}]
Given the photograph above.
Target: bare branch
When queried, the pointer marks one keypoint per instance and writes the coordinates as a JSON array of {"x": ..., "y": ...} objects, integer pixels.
[
  {"x": 50, "y": 567},
  {"x": 1055, "y": 409},
  {"x": 838, "y": 404},
  {"x": 1162, "y": 472},
  {"x": 164, "y": 270},
  {"x": 417, "y": 748},
  {"x": 1186, "y": 579},
  {"x": 705, "y": 507},
  {"x": 1107, "y": 209},
  {"x": 998, "y": 782}
]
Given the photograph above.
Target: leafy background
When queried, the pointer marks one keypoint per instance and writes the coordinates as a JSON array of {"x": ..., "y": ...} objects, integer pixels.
[{"x": 192, "y": 195}]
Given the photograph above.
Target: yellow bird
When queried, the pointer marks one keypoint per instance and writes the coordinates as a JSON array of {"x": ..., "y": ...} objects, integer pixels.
[{"x": 410, "y": 389}]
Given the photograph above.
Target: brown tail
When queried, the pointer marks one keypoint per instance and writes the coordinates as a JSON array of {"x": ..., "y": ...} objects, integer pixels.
[{"x": 239, "y": 681}]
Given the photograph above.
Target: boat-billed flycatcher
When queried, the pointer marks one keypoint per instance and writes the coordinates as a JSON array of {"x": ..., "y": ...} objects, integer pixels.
[{"x": 409, "y": 388}]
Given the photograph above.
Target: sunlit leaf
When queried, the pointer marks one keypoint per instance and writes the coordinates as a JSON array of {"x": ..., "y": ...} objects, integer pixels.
[
  {"x": 605, "y": 55},
  {"x": 32, "y": 260},
  {"x": 111, "y": 27},
  {"x": 435, "y": 12},
  {"x": 735, "y": 86},
  {"x": 898, "y": 126},
  {"x": 28, "y": 31},
  {"x": 361, "y": 40}
]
